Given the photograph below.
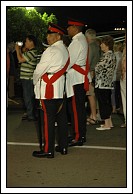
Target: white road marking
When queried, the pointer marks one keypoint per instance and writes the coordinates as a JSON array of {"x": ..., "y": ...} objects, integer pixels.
[{"x": 86, "y": 147}]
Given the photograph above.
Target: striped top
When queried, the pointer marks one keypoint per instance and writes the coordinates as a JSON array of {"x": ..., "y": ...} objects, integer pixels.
[{"x": 27, "y": 68}]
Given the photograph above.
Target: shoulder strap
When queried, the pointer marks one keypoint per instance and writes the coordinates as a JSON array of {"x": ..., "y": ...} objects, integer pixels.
[
  {"x": 84, "y": 72},
  {"x": 49, "y": 93}
]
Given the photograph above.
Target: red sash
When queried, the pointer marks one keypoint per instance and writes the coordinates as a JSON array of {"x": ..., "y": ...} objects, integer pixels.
[
  {"x": 49, "y": 93},
  {"x": 84, "y": 72}
]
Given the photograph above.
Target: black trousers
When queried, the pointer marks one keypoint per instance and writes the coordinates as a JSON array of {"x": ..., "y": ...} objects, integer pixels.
[
  {"x": 78, "y": 112},
  {"x": 104, "y": 102},
  {"x": 117, "y": 94},
  {"x": 55, "y": 111}
]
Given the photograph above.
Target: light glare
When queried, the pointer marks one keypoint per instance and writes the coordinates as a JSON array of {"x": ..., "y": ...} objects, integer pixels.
[{"x": 29, "y": 8}]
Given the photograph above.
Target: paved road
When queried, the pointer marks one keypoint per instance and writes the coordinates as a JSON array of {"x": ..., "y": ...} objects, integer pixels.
[{"x": 100, "y": 163}]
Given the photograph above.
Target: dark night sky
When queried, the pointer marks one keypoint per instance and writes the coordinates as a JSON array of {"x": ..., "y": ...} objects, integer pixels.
[{"x": 100, "y": 18}]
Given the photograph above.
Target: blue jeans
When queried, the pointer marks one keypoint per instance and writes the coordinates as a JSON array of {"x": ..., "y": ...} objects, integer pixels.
[{"x": 29, "y": 98}]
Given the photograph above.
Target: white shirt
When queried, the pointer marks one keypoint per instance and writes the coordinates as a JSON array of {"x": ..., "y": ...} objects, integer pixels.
[
  {"x": 53, "y": 59},
  {"x": 78, "y": 54}
]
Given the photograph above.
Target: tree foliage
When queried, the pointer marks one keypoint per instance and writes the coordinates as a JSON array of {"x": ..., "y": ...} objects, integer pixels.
[{"x": 21, "y": 22}]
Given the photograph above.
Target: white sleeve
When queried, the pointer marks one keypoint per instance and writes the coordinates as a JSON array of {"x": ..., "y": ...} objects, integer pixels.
[
  {"x": 43, "y": 66},
  {"x": 74, "y": 51}
]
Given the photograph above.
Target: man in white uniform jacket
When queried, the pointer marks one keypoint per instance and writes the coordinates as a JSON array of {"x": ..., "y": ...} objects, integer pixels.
[
  {"x": 77, "y": 80},
  {"x": 49, "y": 80}
]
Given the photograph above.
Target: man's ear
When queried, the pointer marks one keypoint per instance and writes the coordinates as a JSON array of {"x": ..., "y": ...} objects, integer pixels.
[{"x": 58, "y": 37}]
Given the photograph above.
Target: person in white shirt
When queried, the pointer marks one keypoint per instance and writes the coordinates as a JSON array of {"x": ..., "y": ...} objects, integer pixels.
[
  {"x": 116, "y": 94},
  {"x": 94, "y": 56},
  {"x": 123, "y": 83},
  {"x": 77, "y": 81},
  {"x": 49, "y": 81}
]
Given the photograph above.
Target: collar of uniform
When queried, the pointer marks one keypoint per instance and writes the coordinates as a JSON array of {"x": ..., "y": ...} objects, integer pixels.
[
  {"x": 57, "y": 43},
  {"x": 77, "y": 35}
]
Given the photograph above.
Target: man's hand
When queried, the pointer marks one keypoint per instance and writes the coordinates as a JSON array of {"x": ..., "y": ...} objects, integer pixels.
[{"x": 17, "y": 48}]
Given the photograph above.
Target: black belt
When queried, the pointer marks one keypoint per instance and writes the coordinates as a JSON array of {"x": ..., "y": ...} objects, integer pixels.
[{"x": 50, "y": 73}]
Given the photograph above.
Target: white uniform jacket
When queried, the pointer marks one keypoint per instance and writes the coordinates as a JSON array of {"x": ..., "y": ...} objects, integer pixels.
[
  {"x": 78, "y": 50},
  {"x": 53, "y": 59}
]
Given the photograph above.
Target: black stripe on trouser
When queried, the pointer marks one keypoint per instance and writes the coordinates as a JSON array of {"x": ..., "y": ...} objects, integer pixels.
[
  {"x": 80, "y": 95},
  {"x": 52, "y": 107},
  {"x": 104, "y": 102}
]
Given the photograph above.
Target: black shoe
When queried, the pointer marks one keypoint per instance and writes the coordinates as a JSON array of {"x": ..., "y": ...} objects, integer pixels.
[
  {"x": 42, "y": 154},
  {"x": 63, "y": 151},
  {"x": 70, "y": 138},
  {"x": 84, "y": 139},
  {"x": 75, "y": 143},
  {"x": 57, "y": 149}
]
